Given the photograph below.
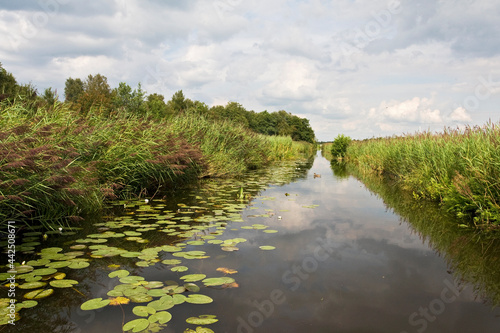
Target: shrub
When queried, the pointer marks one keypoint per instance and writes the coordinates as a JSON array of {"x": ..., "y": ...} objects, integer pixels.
[{"x": 339, "y": 146}]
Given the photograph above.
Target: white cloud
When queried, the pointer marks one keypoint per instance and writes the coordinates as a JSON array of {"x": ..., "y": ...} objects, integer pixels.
[{"x": 272, "y": 55}]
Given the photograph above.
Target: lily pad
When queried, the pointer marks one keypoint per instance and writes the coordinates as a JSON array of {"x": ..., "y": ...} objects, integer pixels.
[
  {"x": 119, "y": 273},
  {"x": 95, "y": 303},
  {"x": 44, "y": 271},
  {"x": 78, "y": 264},
  {"x": 32, "y": 285},
  {"x": 143, "y": 311},
  {"x": 164, "y": 303},
  {"x": 140, "y": 298},
  {"x": 192, "y": 287},
  {"x": 161, "y": 317},
  {"x": 199, "y": 299},
  {"x": 217, "y": 281},
  {"x": 267, "y": 247},
  {"x": 202, "y": 320},
  {"x": 136, "y": 325},
  {"x": 27, "y": 304},
  {"x": 39, "y": 293},
  {"x": 193, "y": 277},
  {"x": 65, "y": 283},
  {"x": 179, "y": 269}
]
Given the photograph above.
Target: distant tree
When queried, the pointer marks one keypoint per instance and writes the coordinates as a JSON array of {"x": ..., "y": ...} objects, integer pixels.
[
  {"x": 124, "y": 99},
  {"x": 8, "y": 84},
  {"x": 156, "y": 106},
  {"x": 96, "y": 95},
  {"x": 339, "y": 146},
  {"x": 178, "y": 102},
  {"x": 73, "y": 89},
  {"x": 50, "y": 96}
]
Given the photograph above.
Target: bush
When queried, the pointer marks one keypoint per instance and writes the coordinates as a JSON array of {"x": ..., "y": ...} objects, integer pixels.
[{"x": 339, "y": 146}]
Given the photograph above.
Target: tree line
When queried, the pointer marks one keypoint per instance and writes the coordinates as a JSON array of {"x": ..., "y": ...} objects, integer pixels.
[{"x": 94, "y": 95}]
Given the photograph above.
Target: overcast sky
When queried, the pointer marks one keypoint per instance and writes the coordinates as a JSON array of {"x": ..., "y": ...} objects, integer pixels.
[{"x": 362, "y": 68}]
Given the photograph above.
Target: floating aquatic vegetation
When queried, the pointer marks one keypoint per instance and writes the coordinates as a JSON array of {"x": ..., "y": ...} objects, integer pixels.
[{"x": 202, "y": 320}]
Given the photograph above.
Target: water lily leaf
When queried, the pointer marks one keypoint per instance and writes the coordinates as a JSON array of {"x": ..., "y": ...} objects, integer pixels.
[
  {"x": 32, "y": 278},
  {"x": 154, "y": 284},
  {"x": 178, "y": 299},
  {"x": 32, "y": 285},
  {"x": 270, "y": 231},
  {"x": 143, "y": 311},
  {"x": 193, "y": 277},
  {"x": 199, "y": 329},
  {"x": 171, "y": 248},
  {"x": 196, "y": 242},
  {"x": 59, "y": 264},
  {"x": 136, "y": 325},
  {"x": 78, "y": 247},
  {"x": 198, "y": 299},
  {"x": 95, "y": 303},
  {"x": 142, "y": 264},
  {"x": 51, "y": 250},
  {"x": 131, "y": 254},
  {"x": 24, "y": 269},
  {"x": 63, "y": 283},
  {"x": 119, "y": 273},
  {"x": 267, "y": 247},
  {"x": 59, "y": 275},
  {"x": 215, "y": 241},
  {"x": 202, "y": 320},
  {"x": 131, "y": 279},
  {"x": 119, "y": 300},
  {"x": 79, "y": 264},
  {"x": 164, "y": 303},
  {"x": 192, "y": 287},
  {"x": 114, "y": 293},
  {"x": 161, "y": 317},
  {"x": 27, "y": 304},
  {"x": 39, "y": 293},
  {"x": 217, "y": 281},
  {"x": 174, "y": 289},
  {"x": 39, "y": 262},
  {"x": 179, "y": 269},
  {"x": 157, "y": 292},
  {"x": 44, "y": 271},
  {"x": 140, "y": 298}
]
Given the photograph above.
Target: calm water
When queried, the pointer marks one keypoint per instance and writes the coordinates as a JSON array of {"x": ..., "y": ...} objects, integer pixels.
[{"x": 343, "y": 262}]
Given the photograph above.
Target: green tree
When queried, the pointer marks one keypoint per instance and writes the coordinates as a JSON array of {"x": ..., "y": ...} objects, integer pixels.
[
  {"x": 178, "y": 102},
  {"x": 96, "y": 95},
  {"x": 73, "y": 89},
  {"x": 8, "y": 84},
  {"x": 50, "y": 96},
  {"x": 156, "y": 106},
  {"x": 124, "y": 99},
  {"x": 339, "y": 146}
]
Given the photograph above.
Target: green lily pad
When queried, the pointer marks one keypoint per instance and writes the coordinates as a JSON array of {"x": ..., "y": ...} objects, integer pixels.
[
  {"x": 161, "y": 317},
  {"x": 217, "y": 281},
  {"x": 39, "y": 293},
  {"x": 202, "y": 320},
  {"x": 32, "y": 285},
  {"x": 51, "y": 250},
  {"x": 136, "y": 325},
  {"x": 59, "y": 264},
  {"x": 193, "y": 277},
  {"x": 179, "y": 269},
  {"x": 198, "y": 299},
  {"x": 140, "y": 298},
  {"x": 79, "y": 264},
  {"x": 229, "y": 248},
  {"x": 44, "y": 271},
  {"x": 164, "y": 303},
  {"x": 270, "y": 231},
  {"x": 65, "y": 283},
  {"x": 156, "y": 292},
  {"x": 94, "y": 304},
  {"x": 28, "y": 304},
  {"x": 178, "y": 299},
  {"x": 119, "y": 273},
  {"x": 143, "y": 311},
  {"x": 24, "y": 269},
  {"x": 199, "y": 329},
  {"x": 267, "y": 247},
  {"x": 131, "y": 279},
  {"x": 192, "y": 287},
  {"x": 78, "y": 247}
]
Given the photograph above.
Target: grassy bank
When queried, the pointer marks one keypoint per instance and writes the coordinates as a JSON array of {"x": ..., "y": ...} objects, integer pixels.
[
  {"x": 460, "y": 168},
  {"x": 57, "y": 165}
]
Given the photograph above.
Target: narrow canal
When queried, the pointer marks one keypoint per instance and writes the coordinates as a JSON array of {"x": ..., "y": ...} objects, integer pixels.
[{"x": 292, "y": 249}]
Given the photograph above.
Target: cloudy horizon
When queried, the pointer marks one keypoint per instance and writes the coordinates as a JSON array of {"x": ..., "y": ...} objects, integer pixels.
[{"x": 361, "y": 68}]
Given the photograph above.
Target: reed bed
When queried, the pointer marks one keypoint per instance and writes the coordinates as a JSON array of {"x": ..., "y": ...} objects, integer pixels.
[
  {"x": 459, "y": 167},
  {"x": 57, "y": 165}
]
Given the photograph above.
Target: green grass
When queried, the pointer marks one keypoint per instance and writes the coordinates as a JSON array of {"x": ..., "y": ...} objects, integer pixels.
[
  {"x": 460, "y": 168},
  {"x": 57, "y": 166}
]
